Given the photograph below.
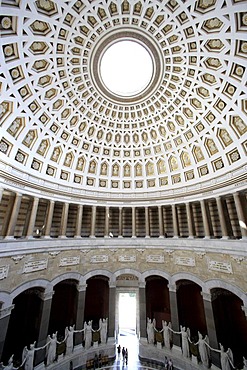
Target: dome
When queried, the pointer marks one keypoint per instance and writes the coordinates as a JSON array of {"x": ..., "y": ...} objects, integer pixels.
[{"x": 182, "y": 131}]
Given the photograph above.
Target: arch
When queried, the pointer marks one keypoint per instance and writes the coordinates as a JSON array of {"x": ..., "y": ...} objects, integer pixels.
[
  {"x": 41, "y": 283},
  {"x": 218, "y": 283},
  {"x": 160, "y": 273},
  {"x": 98, "y": 272},
  {"x": 187, "y": 276},
  {"x": 69, "y": 275}
]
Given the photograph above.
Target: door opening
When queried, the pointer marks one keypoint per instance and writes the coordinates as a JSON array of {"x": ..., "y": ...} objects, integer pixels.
[{"x": 127, "y": 313}]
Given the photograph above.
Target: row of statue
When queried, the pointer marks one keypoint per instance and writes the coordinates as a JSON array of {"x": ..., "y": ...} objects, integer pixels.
[
  {"x": 52, "y": 342},
  {"x": 226, "y": 357}
]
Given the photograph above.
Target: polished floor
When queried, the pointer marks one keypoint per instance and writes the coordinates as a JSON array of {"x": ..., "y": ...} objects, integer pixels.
[{"x": 130, "y": 342}]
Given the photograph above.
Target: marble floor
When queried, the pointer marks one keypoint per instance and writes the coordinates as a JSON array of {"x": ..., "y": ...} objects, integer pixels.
[{"x": 130, "y": 342}]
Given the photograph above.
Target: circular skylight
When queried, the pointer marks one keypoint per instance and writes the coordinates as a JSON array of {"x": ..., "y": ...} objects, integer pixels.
[{"x": 126, "y": 68}]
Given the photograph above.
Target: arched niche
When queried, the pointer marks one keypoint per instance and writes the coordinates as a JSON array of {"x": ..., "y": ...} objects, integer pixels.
[{"x": 24, "y": 323}]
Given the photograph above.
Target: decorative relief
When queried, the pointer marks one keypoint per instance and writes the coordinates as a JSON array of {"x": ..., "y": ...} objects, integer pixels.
[
  {"x": 99, "y": 258},
  {"x": 17, "y": 258},
  {"x": 238, "y": 259},
  {"x": 127, "y": 258},
  {"x": 185, "y": 261},
  {"x": 4, "y": 270},
  {"x": 69, "y": 261},
  {"x": 220, "y": 266},
  {"x": 33, "y": 266},
  {"x": 155, "y": 258}
]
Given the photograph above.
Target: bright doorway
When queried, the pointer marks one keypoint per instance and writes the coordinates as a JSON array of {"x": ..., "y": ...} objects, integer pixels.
[{"x": 127, "y": 312}]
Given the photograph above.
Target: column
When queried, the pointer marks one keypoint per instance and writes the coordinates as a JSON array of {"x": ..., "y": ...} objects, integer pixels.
[
  {"x": 5, "y": 313},
  {"x": 133, "y": 222},
  {"x": 93, "y": 220},
  {"x": 1, "y": 194},
  {"x": 14, "y": 216},
  {"x": 147, "y": 226},
  {"x": 209, "y": 315},
  {"x": 205, "y": 220},
  {"x": 174, "y": 313},
  {"x": 241, "y": 215},
  {"x": 107, "y": 222},
  {"x": 190, "y": 221},
  {"x": 223, "y": 226},
  {"x": 120, "y": 223},
  {"x": 78, "y": 221},
  {"x": 48, "y": 220},
  {"x": 46, "y": 297},
  {"x": 64, "y": 220},
  {"x": 142, "y": 309},
  {"x": 112, "y": 309},
  {"x": 161, "y": 222},
  {"x": 32, "y": 218},
  {"x": 80, "y": 312},
  {"x": 175, "y": 221}
]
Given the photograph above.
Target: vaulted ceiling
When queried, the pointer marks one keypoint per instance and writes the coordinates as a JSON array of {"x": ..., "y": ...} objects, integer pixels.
[{"x": 60, "y": 126}]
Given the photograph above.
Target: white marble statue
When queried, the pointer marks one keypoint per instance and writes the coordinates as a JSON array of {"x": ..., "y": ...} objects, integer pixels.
[
  {"x": 150, "y": 330},
  {"x": 88, "y": 334},
  {"x": 166, "y": 329},
  {"x": 51, "y": 351},
  {"x": 203, "y": 349},
  {"x": 103, "y": 330},
  {"x": 69, "y": 339}
]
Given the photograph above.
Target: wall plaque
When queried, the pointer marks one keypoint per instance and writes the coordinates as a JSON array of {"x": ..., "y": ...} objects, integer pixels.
[
  {"x": 127, "y": 258},
  {"x": 185, "y": 261},
  {"x": 4, "y": 271},
  {"x": 155, "y": 258},
  {"x": 33, "y": 266},
  {"x": 69, "y": 261},
  {"x": 99, "y": 258},
  {"x": 220, "y": 266}
]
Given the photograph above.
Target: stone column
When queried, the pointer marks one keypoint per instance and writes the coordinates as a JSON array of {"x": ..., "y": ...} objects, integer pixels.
[
  {"x": 14, "y": 216},
  {"x": 190, "y": 221},
  {"x": 48, "y": 221},
  {"x": 1, "y": 194},
  {"x": 209, "y": 315},
  {"x": 5, "y": 313},
  {"x": 32, "y": 218},
  {"x": 174, "y": 313},
  {"x": 112, "y": 310},
  {"x": 142, "y": 309},
  {"x": 147, "y": 226},
  {"x": 161, "y": 222},
  {"x": 175, "y": 221},
  {"x": 46, "y": 297},
  {"x": 78, "y": 221},
  {"x": 133, "y": 222},
  {"x": 205, "y": 219},
  {"x": 120, "y": 223},
  {"x": 80, "y": 312},
  {"x": 93, "y": 221},
  {"x": 222, "y": 218},
  {"x": 241, "y": 215},
  {"x": 64, "y": 220},
  {"x": 107, "y": 222}
]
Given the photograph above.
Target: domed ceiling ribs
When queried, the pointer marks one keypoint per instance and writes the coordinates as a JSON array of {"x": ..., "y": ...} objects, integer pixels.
[{"x": 58, "y": 125}]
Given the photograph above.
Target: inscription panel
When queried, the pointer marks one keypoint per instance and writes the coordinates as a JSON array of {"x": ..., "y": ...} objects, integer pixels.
[{"x": 33, "y": 266}]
